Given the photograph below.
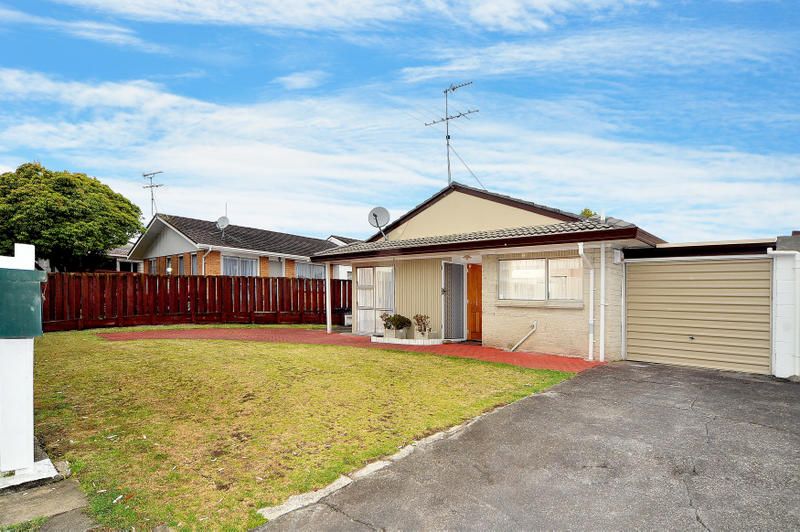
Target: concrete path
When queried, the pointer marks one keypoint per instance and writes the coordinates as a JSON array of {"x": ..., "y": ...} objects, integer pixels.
[
  {"x": 306, "y": 336},
  {"x": 62, "y": 501},
  {"x": 625, "y": 446}
]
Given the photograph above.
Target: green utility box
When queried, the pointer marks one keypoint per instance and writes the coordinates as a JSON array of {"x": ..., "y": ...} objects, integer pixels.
[{"x": 21, "y": 303}]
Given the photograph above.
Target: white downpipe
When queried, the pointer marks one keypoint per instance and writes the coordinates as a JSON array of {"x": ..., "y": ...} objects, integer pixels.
[
  {"x": 534, "y": 326},
  {"x": 204, "y": 259},
  {"x": 328, "y": 304},
  {"x": 590, "y": 267},
  {"x": 602, "y": 301}
]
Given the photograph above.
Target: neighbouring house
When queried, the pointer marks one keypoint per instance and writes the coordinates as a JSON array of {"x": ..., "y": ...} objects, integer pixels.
[
  {"x": 121, "y": 263},
  {"x": 177, "y": 245},
  {"x": 515, "y": 274}
]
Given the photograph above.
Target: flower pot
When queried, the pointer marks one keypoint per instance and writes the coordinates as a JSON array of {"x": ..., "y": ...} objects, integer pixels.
[
  {"x": 401, "y": 333},
  {"x": 389, "y": 333},
  {"x": 421, "y": 335}
]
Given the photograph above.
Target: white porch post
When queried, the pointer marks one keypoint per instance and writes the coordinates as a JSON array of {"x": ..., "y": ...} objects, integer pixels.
[
  {"x": 328, "y": 300},
  {"x": 16, "y": 383}
]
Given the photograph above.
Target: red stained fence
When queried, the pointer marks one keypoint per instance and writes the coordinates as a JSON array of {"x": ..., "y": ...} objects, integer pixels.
[{"x": 89, "y": 300}]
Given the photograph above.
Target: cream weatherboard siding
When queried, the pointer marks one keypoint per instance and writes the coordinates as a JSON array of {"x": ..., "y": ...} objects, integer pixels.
[
  {"x": 418, "y": 290},
  {"x": 705, "y": 313}
]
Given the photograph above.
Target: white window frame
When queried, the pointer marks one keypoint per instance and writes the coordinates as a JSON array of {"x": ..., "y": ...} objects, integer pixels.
[
  {"x": 546, "y": 280},
  {"x": 193, "y": 264},
  {"x": 240, "y": 257}
]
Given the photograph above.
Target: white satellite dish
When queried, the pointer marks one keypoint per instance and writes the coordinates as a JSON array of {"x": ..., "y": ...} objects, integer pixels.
[
  {"x": 378, "y": 217},
  {"x": 223, "y": 222}
]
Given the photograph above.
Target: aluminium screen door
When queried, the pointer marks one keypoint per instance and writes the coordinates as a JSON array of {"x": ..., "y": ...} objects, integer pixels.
[{"x": 374, "y": 296}]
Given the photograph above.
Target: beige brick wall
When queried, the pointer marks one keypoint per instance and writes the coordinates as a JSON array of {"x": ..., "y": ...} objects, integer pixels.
[
  {"x": 562, "y": 327},
  {"x": 289, "y": 268},
  {"x": 213, "y": 263}
]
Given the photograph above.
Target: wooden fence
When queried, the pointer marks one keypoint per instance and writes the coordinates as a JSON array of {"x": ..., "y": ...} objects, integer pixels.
[{"x": 89, "y": 300}]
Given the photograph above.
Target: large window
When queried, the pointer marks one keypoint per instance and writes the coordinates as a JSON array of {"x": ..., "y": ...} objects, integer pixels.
[
  {"x": 239, "y": 266},
  {"x": 540, "y": 279},
  {"x": 152, "y": 266},
  {"x": 307, "y": 270},
  {"x": 180, "y": 265},
  {"x": 374, "y": 296}
]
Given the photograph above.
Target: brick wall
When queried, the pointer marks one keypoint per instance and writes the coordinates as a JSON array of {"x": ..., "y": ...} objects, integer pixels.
[
  {"x": 213, "y": 263},
  {"x": 289, "y": 268},
  {"x": 563, "y": 327}
]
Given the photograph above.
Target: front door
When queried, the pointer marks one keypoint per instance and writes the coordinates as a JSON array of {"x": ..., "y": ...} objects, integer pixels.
[
  {"x": 453, "y": 300},
  {"x": 474, "y": 301}
]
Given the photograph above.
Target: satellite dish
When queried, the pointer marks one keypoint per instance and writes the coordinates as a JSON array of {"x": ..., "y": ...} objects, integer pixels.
[
  {"x": 378, "y": 217},
  {"x": 223, "y": 222}
]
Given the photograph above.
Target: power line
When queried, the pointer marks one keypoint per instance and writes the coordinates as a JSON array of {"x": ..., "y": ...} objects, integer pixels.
[
  {"x": 468, "y": 168},
  {"x": 447, "y": 118},
  {"x": 152, "y": 186}
]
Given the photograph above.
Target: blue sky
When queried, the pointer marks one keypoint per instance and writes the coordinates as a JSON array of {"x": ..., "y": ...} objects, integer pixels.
[{"x": 681, "y": 116}]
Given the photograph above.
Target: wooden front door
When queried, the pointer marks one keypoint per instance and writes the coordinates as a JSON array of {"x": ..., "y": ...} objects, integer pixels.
[{"x": 474, "y": 301}]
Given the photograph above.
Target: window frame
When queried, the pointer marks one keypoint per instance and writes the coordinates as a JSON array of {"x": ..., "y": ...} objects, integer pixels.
[
  {"x": 239, "y": 258},
  {"x": 547, "y": 297},
  {"x": 193, "y": 263}
]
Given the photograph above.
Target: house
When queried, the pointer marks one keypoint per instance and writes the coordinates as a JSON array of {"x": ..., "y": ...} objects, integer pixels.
[
  {"x": 177, "y": 245},
  {"x": 514, "y": 274},
  {"x": 121, "y": 263}
]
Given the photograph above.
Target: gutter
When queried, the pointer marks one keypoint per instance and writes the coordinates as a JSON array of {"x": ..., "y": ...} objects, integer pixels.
[
  {"x": 588, "y": 264},
  {"x": 210, "y": 248},
  {"x": 599, "y": 235}
]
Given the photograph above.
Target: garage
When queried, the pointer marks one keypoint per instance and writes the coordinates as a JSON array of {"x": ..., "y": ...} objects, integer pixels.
[{"x": 704, "y": 312}]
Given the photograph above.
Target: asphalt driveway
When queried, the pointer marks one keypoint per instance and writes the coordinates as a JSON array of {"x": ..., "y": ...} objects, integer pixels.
[{"x": 618, "y": 447}]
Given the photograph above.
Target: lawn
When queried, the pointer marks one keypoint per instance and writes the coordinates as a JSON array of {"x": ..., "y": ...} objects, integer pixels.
[{"x": 200, "y": 434}]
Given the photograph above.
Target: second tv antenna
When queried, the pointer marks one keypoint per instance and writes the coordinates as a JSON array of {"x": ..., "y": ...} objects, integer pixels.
[
  {"x": 447, "y": 118},
  {"x": 152, "y": 186}
]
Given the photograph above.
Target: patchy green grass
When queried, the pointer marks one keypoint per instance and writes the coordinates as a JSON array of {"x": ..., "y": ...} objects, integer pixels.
[
  {"x": 200, "y": 434},
  {"x": 28, "y": 526}
]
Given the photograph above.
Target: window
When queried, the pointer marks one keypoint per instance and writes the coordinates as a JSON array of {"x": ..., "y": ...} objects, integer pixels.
[
  {"x": 152, "y": 266},
  {"x": 307, "y": 270},
  {"x": 374, "y": 296},
  {"x": 194, "y": 263},
  {"x": 180, "y": 265},
  {"x": 169, "y": 265},
  {"x": 540, "y": 279},
  {"x": 275, "y": 268},
  {"x": 239, "y": 266}
]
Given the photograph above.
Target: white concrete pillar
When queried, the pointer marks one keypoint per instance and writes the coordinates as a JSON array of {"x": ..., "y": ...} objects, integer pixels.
[
  {"x": 785, "y": 313},
  {"x": 16, "y": 383},
  {"x": 328, "y": 300}
]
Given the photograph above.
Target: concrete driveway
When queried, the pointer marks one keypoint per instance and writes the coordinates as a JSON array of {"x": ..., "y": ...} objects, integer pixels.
[{"x": 618, "y": 447}]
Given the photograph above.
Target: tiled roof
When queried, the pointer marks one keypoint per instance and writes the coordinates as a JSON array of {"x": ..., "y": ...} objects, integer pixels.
[
  {"x": 121, "y": 251},
  {"x": 204, "y": 232},
  {"x": 510, "y": 234},
  {"x": 345, "y": 239}
]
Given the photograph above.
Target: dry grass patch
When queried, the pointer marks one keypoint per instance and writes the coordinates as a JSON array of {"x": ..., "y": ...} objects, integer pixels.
[{"x": 200, "y": 434}]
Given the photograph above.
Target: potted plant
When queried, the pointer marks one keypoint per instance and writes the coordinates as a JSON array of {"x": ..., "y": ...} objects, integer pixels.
[
  {"x": 395, "y": 325},
  {"x": 422, "y": 326},
  {"x": 386, "y": 318}
]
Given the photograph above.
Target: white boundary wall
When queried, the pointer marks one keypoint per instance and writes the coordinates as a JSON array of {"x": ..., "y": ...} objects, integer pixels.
[
  {"x": 16, "y": 384},
  {"x": 785, "y": 313}
]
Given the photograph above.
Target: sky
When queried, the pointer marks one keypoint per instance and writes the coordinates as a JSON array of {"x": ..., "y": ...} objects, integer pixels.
[{"x": 680, "y": 116}]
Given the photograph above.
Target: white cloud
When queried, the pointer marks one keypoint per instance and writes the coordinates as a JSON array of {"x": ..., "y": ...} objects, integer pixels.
[
  {"x": 83, "y": 29},
  {"x": 503, "y": 15},
  {"x": 302, "y": 80},
  {"x": 618, "y": 51},
  {"x": 307, "y": 14},
  {"x": 321, "y": 173}
]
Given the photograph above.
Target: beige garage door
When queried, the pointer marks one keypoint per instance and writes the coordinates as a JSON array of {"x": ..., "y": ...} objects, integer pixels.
[{"x": 712, "y": 313}]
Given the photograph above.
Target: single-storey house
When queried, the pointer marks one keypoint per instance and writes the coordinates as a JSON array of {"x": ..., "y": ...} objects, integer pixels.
[
  {"x": 510, "y": 273},
  {"x": 121, "y": 263},
  {"x": 177, "y": 245}
]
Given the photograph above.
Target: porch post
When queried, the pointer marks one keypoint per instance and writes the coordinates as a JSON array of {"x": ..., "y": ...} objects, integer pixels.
[{"x": 328, "y": 310}]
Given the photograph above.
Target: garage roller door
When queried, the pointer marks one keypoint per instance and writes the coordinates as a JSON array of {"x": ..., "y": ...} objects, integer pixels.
[{"x": 711, "y": 313}]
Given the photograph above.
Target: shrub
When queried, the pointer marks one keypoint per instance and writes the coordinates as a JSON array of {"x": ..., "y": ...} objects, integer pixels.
[{"x": 422, "y": 322}]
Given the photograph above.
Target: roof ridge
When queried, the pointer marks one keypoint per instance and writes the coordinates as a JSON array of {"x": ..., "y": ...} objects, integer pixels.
[{"x": 243, "y": 227}]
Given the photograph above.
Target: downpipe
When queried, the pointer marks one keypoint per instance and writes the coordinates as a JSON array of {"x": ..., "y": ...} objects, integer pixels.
[
  {"x": 589, "y": 266},
  {"x": 534, "y": 326}
]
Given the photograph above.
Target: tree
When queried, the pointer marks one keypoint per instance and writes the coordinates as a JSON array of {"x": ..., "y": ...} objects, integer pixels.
[
  {"x": 71, "y": 218},
  {"x": 588, "y": 213}
]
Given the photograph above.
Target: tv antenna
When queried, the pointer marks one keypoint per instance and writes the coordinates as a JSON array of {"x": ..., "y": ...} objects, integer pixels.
[
  {"x": 152, "y": 186},
  {"x": 447, "y": 118},
  {"x": 379, "y": 217}
]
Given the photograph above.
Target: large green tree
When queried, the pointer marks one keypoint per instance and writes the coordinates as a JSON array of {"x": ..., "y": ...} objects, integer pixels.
[{"x": 71, "y": 218}]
